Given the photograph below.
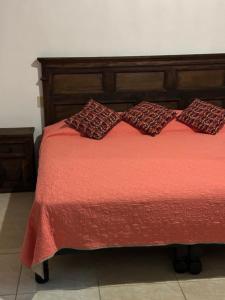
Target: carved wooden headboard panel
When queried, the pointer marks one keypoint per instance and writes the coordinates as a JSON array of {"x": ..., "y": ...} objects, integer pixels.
[{"x": 120, "y": 82}]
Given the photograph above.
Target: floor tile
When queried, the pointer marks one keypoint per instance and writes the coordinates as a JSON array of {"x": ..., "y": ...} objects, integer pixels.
[
  {"x": 8, "y": 297},
  {"x": 25, "y": 297},
  {"x": 204, "y": 289},
  {"x": 9, "y": 273},
  {"x": 85, "y": 294},
  {"x": 72, "y": 272},
  {"x": 147, "y": 265},
  {"x": 14, "y": 211},
  {"x": 111, "y": 266},
  {"x": 142, "y": 291}
]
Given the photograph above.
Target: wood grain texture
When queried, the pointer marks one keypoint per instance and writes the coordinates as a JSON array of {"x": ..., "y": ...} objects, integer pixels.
[
  {"x": 17, "y": 172},
  {"x": 139, "y": 81},
  {"x": 200, "y": 79},
  {"x": 77, "y": 83},
  {"x": 120, "y": 82}
]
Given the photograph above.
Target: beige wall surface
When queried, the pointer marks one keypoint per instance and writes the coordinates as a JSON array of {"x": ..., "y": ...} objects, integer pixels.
[{"x": 31, "y": 28}]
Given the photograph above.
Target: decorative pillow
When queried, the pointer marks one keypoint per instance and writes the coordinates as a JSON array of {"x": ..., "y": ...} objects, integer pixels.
[
  {"x": 94, "y": 120},
  {"x": 203, "y": 117},
  {"x": 148, "y": 117}
]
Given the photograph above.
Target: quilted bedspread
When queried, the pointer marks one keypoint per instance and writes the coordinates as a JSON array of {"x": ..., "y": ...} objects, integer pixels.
[{"x": 128, "y": 189}]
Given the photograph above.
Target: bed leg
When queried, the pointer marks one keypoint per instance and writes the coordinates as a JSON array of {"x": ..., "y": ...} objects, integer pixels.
[
  {"x": 194, "y": 261},
  {"x": 41, "y": 280},
  {"x": 180, "y": 260}
]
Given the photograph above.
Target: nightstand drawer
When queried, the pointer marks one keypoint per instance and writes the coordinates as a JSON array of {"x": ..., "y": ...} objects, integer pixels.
[
  {"x": 17, "y": 168},
  {"x": 8, "y": 148},
  {"x": 16, "y": 175}
]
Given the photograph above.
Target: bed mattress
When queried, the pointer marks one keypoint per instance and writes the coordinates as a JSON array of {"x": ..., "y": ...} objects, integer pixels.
[{"x": 128, "y": 189}]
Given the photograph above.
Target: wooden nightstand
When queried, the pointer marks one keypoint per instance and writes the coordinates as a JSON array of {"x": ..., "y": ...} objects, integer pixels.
[{"x": 17, "y": 172}]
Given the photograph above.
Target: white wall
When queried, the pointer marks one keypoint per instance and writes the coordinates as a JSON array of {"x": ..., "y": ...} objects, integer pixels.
[{"x": 32, "y": 28}]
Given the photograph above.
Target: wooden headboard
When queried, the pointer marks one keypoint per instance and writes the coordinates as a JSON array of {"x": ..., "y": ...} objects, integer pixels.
[{"x": 120, "y": 82}]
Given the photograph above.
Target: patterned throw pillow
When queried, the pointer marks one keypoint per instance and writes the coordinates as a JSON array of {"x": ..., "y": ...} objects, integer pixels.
[
  {"x": 203, "y": 117},
  {"x": 94, "y": 120},
  {"x": 148, "y": 117}
]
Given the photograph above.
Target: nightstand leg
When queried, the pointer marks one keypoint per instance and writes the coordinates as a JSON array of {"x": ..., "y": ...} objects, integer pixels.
[
  {"x": 180, "y": 260},
  {"x": 41, "y": 280}
]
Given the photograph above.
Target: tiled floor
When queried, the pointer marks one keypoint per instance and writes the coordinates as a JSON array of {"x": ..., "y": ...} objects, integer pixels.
[{"x": 120, "y": 274}]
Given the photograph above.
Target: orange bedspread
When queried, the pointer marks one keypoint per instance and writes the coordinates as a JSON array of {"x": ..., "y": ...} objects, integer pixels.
[{"x": 128, "y": 189}]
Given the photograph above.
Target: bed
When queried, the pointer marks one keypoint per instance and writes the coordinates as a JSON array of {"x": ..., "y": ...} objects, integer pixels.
[{"x": 128, "y": 189}]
